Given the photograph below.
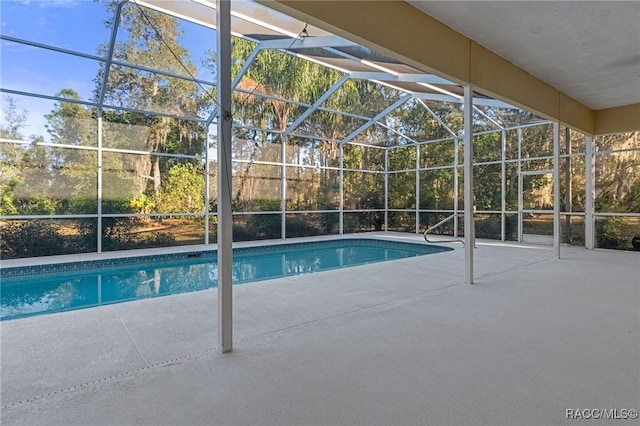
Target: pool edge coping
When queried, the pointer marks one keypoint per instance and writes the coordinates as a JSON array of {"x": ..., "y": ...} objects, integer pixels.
[{"x": 63, "y": 263}]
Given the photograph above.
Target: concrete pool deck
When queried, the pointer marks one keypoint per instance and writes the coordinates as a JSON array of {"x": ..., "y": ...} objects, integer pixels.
[{"x": 402, "y": 342}]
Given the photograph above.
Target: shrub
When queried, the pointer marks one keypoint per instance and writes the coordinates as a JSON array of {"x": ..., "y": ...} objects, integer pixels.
[{"x": 39, "y": 238}]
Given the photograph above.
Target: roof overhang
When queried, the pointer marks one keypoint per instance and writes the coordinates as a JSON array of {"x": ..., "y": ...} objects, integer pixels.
[{"x": 423, "y": 42}]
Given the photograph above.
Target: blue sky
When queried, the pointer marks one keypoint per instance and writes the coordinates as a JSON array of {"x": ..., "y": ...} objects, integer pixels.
[{"x": 71, "y": 24}]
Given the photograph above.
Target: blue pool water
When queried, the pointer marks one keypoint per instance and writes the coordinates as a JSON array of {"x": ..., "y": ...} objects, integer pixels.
[{"x": 37, "y": 291}]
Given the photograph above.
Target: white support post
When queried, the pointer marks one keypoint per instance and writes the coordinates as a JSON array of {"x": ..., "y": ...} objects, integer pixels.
[
  {"x": 225, "y": 215},
  {"x": 503, "y": 188},
  {"x": 456, "y": 184},
  {"x": 341, "y": 226},
  {"x": 386, "y": 190},
  {"x": 417, "y": 189},
  {"x": 469, "y": 227},
  {"x": 520, "y": 186},
  {"x": 207, "y": 185},
  {"x": 567, "y": 185},
  {"x": 589, "y": 195},
  {"x": 556, "y": 188},
  {"x": 99, "y": 224},
  {"x": 283, "y": 190}
]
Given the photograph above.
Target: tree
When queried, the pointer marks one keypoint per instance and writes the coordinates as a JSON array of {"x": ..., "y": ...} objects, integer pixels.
[
  {"x": 75, "y": 170},
  {"x": 153, "y": 41},
  {"x": 13, "y": 119},
  {"x": 11, "y": 155},
  {"x": 617, "y": 182}
]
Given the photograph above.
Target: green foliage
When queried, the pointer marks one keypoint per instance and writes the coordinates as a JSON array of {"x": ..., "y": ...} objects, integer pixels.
[
  {"x": 617, "y": 232},
  {"x": 437, "y": 189},
  {"x": 183, "y": 190},
  {"x": 609, "y": 233},
  {"x": 401, "y": 222},
  {"x": 17, "y": 240},
  {"x": 488, "y": 227},
  {"x": 13, "y": 120},
  {"x": 258, "y": 227},
  {"x": 40, "y": 238},
  {"x": 301, "y": 226},
  {"x": 142, "y": 204},
  {"x": 402, "y": 194},
  {"x": 402, "y": 158},
  {"x": 487, "y": 187},
  {"x": 415, "y": 121},
  {"x": 363, "y": 221}
]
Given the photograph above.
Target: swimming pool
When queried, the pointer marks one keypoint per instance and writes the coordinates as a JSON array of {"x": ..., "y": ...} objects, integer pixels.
[{"x": 44, "y": 289}]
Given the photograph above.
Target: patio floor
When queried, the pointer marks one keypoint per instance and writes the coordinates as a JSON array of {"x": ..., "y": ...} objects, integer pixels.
[{"x": 403, "y": 342}]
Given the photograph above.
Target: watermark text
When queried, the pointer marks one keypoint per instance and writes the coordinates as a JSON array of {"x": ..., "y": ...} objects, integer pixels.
[{"x": 601, "y": 413}]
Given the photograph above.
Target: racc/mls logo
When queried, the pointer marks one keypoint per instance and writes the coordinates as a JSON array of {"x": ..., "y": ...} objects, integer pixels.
[{"x": 601, "y": 413}]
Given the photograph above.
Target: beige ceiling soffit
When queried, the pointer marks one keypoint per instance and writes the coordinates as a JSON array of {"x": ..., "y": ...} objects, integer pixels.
[
  {"x": 392, "y": 28},
  {"x": 497, "y": 76},
  {"x": 576, "y": 115},
  {"x": 398, "y": 30},
  {"x": 619, "y": 119}
]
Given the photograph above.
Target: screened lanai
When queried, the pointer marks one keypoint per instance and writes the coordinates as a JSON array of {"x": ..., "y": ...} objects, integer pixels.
[
  {"x": 109, "y": 140},
  {"x": 119, "y": 144}
]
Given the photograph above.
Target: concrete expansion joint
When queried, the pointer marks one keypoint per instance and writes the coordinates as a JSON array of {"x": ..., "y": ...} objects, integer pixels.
[
  {"x": 167, "y": 363},
  {"x": 133, "y": 341},
  {"x": 493, "y": 274},
  {"x": 339, "y": 314},
  {"x": 76, "y": 387},
  {"x": 294, "y": 326}
]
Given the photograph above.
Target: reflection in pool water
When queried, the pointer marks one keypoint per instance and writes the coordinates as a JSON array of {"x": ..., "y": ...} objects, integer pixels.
[{"x": 39, "y": 294}]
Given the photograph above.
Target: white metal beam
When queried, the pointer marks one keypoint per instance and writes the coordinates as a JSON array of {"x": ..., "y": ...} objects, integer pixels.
[
  {"x": 386, "y": 190},
  {"x": 456, "y": 185},
  {"x": 503, "y": 185},
  {"x": 400, "y": 78},
  {"x": 243, "y": 70},
  {"x": 378, "y": 117},
  {"x": 469, "y": 227},
  {"x": 246, "y": 65},
  {"x": 417, "y": 189},
  {"x": 477, "y": 101},
  {"x": 438, "y": 119},
  {"x": 283, "y": 189},
  {"x": 100, "y": 172},
  {"x": 316, "y": 104},
  {"x": 341, "y": 225},
  {"x": 112, "y": 43},
  {"x": 400, "y": 134},
  {"x": 225, "y": 216},
  {"x": 482, "y": 113},
  {"x": 307, "y": 43}
]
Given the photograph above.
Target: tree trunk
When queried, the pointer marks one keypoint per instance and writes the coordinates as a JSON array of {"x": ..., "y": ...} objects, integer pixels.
[{"x": 156, "y": 174}]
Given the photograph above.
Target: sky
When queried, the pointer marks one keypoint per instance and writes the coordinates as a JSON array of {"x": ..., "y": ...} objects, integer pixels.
[{"x": 76, "y": 25}]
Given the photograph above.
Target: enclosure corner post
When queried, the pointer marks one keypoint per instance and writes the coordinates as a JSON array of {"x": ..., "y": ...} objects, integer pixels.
[
  {"x": 556, "y": 188},
  {"x": 589, "y": 195},
  {"x": 341, "y": 219},
  {"x": 386, "y": 190},
  {"x": 469, "y": 227},
  {"x": 99, "y": 224}
]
